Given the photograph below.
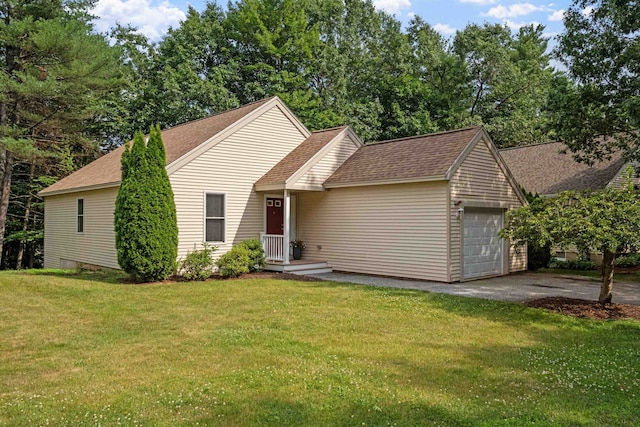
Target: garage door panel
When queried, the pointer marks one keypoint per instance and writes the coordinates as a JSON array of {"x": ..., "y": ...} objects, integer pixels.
[{"x": 482, "y": 247}]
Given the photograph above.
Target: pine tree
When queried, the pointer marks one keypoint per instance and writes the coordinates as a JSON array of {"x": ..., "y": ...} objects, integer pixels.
[
  {"x": 55, "y": 73},
  {"x": 145, "y": 216}
]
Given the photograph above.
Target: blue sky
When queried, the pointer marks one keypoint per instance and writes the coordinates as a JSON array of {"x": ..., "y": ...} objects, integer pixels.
[{"x": 153, "y": 17}]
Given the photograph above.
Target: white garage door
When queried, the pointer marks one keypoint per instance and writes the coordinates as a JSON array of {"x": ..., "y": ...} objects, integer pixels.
[{"x": 483, "y": 249}]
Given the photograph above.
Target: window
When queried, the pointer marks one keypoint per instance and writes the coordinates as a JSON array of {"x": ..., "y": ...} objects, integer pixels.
[
  {"x": 214, "y": 218},
  {"x": 80, "y": 216}
]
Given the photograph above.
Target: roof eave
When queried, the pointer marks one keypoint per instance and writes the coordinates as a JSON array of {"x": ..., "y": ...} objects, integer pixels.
[
  {"x": 385, "y": 182},
  {"x": 45, "y": 193},
  {"x": 270, "y": 186}
]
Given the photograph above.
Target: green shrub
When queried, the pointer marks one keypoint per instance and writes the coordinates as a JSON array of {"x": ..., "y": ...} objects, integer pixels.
[
  {"x": 235, "y": 262},
  {"x": 573, "y": 265},
  {"x": 256, "y": 254},
  {"x": 629, "y": 260},
  {"x": 198, "y": 265},
  {"x": 538, "y": 256},
  {"x": 145, "y": 212}
]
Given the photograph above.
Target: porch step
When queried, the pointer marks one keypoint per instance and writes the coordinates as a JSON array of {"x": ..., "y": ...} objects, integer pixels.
[
  {"x": 316, "y": 271},
  {"x": 300, "y": 267}
]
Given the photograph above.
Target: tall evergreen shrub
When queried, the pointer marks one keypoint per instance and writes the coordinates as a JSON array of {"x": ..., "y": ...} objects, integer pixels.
[{"x": 145, "y": 217}]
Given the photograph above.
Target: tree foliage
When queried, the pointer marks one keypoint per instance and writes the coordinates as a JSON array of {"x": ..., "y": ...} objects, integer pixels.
[
  {"x": 145, "y": 216},
  {"x": 606, "y": 221},
  {"x": 55, "y": 73},
  {"x": 510, "y": 79},
  {"x": 598, "y": 111},
  {"x": 339, "y": 62}
]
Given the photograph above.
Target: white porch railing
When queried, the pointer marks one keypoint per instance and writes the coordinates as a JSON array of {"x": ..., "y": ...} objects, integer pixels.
[{"x": 274, "y": 247}]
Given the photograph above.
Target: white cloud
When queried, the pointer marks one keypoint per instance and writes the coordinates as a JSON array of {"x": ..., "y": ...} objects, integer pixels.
[
  {"x": 444, "y": 29},
  {"x": 392, "y": 6},
  {"x": 411, "y": 15},
  {"x": 587, "y": 10},
  {"x": 512, "y": 11},
  {"x": 151, "y": 17},
  {"x": 515, "y": 26},
  {"x": 557, "y": 15},
  {"x": 483, "y": 2}
]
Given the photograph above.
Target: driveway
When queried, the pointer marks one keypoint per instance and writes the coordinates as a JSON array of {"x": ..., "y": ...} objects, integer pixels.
[{"x": 515, "y": 287}]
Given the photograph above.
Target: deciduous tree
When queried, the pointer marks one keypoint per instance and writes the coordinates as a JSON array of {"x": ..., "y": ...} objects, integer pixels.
[
  {"x": 600, "y": 47},
  {"x": 606, "y": 221}
]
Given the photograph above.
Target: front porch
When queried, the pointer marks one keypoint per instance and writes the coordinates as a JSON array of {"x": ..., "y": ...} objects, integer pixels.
[{"x": 280, "y": 223}]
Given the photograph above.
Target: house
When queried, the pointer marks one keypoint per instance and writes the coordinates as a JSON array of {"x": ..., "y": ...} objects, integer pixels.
[
  {"x": 426, "y": 207},
  {"x": 546, "y": 170}
]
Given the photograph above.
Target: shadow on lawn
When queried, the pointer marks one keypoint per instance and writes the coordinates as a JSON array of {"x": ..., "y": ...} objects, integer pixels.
[
  {"x": 104, "y": 275},
  {"x": 279, "y": 412}
]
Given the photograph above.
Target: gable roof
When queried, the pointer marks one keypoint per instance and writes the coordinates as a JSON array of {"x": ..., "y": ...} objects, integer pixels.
[
  {"x": 300, "y": 155},
  {"x": 543, "y": 169},
  {"x": 405, "y": 159},
  {"x": 179, "y": 141}
]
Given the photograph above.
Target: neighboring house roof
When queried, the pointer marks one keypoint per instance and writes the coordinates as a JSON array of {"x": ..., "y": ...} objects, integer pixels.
[
  {"x": 293, "y": 161},
  {"x": 178, "y": 141},
  {"x": 405, "y": 159},
  {"x": 543, "y": 169}
]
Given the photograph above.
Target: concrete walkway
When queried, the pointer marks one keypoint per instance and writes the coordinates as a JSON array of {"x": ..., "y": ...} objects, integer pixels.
[{"x": 515, "y": 287}]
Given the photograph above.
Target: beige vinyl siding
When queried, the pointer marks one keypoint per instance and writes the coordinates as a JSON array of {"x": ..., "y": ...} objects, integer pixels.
[
  {"x": 231, "y": 168},
  {"x": 96, "y": 245},
  {"x": 480, "y": 179},
  {"x": 395, "y": 230},
  {"x": 322, "y": 170}
]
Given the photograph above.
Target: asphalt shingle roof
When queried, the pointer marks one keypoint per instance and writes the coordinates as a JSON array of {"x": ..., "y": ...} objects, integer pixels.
[
  {"x": 543, "y": 169},
  {"x": 406, "y": 158},
  {"x": 178, "y": 141}
]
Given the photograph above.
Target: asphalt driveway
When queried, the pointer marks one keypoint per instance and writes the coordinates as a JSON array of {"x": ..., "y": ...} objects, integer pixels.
[{"x": 515, "y": 287}]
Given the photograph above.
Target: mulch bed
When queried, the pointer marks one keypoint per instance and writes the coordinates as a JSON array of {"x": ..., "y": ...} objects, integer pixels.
[
  {"x": 215, "y": 276},
  {"x": 585, "y": 308}
]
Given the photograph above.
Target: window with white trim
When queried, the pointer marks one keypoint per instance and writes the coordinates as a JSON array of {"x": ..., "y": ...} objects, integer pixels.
[
  {"x": 215, "y": 220},
  {"x": 80, "y": 216}
]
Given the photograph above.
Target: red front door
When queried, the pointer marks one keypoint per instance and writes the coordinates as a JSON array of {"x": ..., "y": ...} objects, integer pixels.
[{"x": 275, "y": 216}]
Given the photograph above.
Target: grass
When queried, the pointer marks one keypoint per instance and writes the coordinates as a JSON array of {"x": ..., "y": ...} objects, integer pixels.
[{"x": 80, "y": 349}]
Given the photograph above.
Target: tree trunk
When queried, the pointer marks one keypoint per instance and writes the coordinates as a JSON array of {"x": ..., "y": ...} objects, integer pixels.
[
  {"x": 27, "y": 214},
  {"x": 608, "y": 263},
  {"x": 32, "y": 245},
  {"x": 5, "y": 190}
]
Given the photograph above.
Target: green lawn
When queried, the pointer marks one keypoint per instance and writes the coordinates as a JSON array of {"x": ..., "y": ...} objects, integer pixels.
[{"x": 84, "y": 350}]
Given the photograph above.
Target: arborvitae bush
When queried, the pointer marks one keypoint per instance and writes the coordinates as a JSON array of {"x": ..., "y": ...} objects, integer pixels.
[
  {"x": 256, "y": 254},
  {"x": 235, "y": 262},
  {"x": 198, "y": 265},
  {"x": 145, "y": 216}
]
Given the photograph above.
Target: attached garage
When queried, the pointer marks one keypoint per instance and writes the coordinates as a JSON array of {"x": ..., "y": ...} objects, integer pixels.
[
  {"x": 427, "y": 207},
  {"x": 483, "y": 249}
]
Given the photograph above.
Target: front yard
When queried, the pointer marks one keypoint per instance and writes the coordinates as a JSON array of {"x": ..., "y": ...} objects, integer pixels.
[{"x": 84, "y": 350}]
